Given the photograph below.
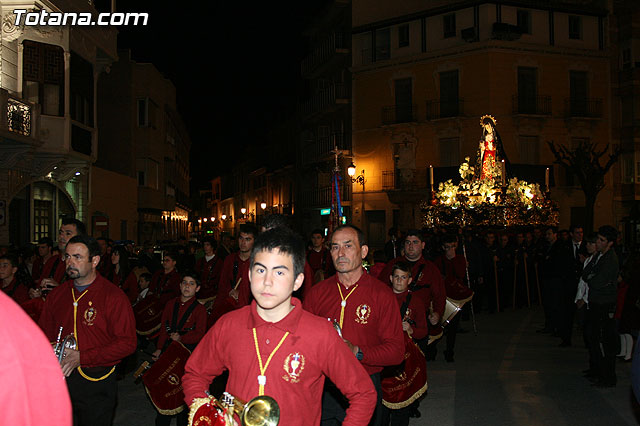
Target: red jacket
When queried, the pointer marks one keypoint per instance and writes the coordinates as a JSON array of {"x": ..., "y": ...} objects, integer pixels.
[
  {"x": 295, "y": 375},
  {"x": 209, "y": 273},
  {"x": 106, "y": 328},
  {"x": 165, "y": 286},
  {"x": 194, "y": 327},
  {"x": 423, "y": 276},
  {"x": 371, "y": 318}
]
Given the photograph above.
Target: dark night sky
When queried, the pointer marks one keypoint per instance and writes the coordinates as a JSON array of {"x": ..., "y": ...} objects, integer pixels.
[{"x": 235, "y": 66}]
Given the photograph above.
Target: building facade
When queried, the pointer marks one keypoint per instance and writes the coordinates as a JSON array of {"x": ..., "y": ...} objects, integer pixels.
[
  {"x": 145, "y": 138},
  {"x": 423, "y": 75},
  {"x": 324, "y": 117},
  {"x": 48, "y": 80}
]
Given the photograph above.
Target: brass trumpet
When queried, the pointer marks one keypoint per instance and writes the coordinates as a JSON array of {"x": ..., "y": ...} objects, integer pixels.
[
  {"x": 68, "y": 342},
  {"x": 260, "y": 411}
]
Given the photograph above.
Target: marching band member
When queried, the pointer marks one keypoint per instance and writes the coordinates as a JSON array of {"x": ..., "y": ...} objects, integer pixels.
[
  {"x": 12, "y": 284},
  {"x": 165, "y": 282},
  {"x": 209, "y": 268},
  {"x": 319, "y": 257},
  {"x": 414, "y": 322},
  {"x": 101, "y": 319},
  {"x": 453, "y": 266},
  {"x": 274, "y": 347},
  {"x": 184, "y": 320},
  {"x": 54, "y": 270},
  {"x": 235, "y": 273},
  {"x": 366, "y": 311},
  {"x": 424, "y": 273}
]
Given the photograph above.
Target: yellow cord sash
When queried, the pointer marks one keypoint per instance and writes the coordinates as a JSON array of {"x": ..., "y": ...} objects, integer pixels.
[
  {"x": 75, "y": 333},
  {"x": 262, "y": 379},
  {"x": 343, "y": 304}
]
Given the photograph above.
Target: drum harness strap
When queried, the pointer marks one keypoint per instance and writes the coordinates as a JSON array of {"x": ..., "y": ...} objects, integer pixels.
[
  {"x": 414, "y": 283},
  {"x": 176, "y": 326}
]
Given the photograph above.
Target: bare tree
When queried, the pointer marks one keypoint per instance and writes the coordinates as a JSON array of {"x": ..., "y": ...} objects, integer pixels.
[{"x": 584, "y": 162}]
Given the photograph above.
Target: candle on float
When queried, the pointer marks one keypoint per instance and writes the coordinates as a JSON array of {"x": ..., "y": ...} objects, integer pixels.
[
  {"x": 504, "y": 178},
  {"x": 431, "y": 176},
  {"x": 546, "y": 178}
]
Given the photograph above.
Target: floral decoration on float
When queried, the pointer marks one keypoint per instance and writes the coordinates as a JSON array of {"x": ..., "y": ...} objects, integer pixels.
[{"x": 487, "y": 194}]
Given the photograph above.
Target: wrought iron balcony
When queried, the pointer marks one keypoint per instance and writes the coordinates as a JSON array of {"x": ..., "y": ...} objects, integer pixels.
[
  {"x": 322, "y": 197},
  {"x": 323, "y": 100},
  {"x": 324, "y": 51},
  {"x": 407, "y": 179},
  {"x": 19, "y": 117},
  {"x": 441, "y": 108},
  {"x": 583, "y": 107},
  {"x": 534, "y": 105},
  {"x": 399, "y": 114}
]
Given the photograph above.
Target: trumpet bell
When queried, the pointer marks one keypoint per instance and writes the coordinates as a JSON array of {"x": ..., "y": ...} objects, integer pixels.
[{"x": 261, "y": 411}]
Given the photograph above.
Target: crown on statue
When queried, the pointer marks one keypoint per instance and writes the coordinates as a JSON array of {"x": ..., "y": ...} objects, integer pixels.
[{"x": 485, "y": 119}]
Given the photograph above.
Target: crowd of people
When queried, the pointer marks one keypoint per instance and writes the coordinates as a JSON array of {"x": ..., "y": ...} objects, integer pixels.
[{"x": 246, "y": 304}]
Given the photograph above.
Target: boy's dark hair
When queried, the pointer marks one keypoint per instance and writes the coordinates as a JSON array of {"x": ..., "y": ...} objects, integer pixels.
[
  {"x": 554, "y": 229},
  {"x": 46, "y": 240},
  {"x": 285, "y": 241},
  {"x": 248, "y": 228},
  {"x": 190, "y": 273},
  {"x": 416, "y": 233},
  {"x": 212, "y": 241},
  {"x": 173, "y": 254},
  {"x": 317, "y": 231},
  {"x": 80, "y": 228},
  {"x": 361, "y": 238},
  {"x": 146, "y": 275},
  {"x": 609, "y": 232},
  {"x": 11, "y": 258},
  {"x": 449, "y": 239},
  {"x": 275, "y": 220},
  {"x": 89, "y": 242},
  {"x": 403, "y": 266}
]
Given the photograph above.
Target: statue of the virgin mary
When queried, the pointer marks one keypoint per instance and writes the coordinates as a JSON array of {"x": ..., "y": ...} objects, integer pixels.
[{"x": 490, "y": 151}]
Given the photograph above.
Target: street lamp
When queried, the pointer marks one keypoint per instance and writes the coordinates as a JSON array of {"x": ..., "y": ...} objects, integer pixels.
[
  {"x": 213, "y": 219},
  {"x": 243, "y": 211},
  {"x": 360, "y": 179},
  {"x": 263, "y": 205},
  {"x": 224, "y": 217},
  {"x": 205, "y": 219}
]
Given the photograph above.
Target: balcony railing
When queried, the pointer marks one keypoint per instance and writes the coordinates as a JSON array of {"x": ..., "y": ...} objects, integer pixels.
[
  {"x": 322, "y": 197},
  {"x": 320, "y": 148},
  {"x": 405, "y": 179},
  {"x": 441, "y": 108},
  {"x": 583, "y": 107},
  {"x": 323, "y": 51},
  {"x": 335, "y": 94},
  {"x": 399, "y": 114},
  {"x": 19, "y": 117},
  {"x": 535, "y": 105}
]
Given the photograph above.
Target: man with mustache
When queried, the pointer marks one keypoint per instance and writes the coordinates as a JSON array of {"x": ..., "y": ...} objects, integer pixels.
[
  {"x": 100, "y": 317},
  {"x": 367, "y": 312}
]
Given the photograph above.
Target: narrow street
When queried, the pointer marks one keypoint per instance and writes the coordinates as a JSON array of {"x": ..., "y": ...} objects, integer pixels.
[{"x": 506, "y": 374}]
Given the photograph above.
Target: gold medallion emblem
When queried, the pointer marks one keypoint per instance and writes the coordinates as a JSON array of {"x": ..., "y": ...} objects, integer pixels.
[
  {"x": 362, "y": 313},
  {"x": 90, "y": 315},
  {"x": 293, "y": 366},
  {"x": 173, "y": 379}
]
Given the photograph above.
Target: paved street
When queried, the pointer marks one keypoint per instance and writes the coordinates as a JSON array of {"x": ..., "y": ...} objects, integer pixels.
[{"x": 505, "y": 375}]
